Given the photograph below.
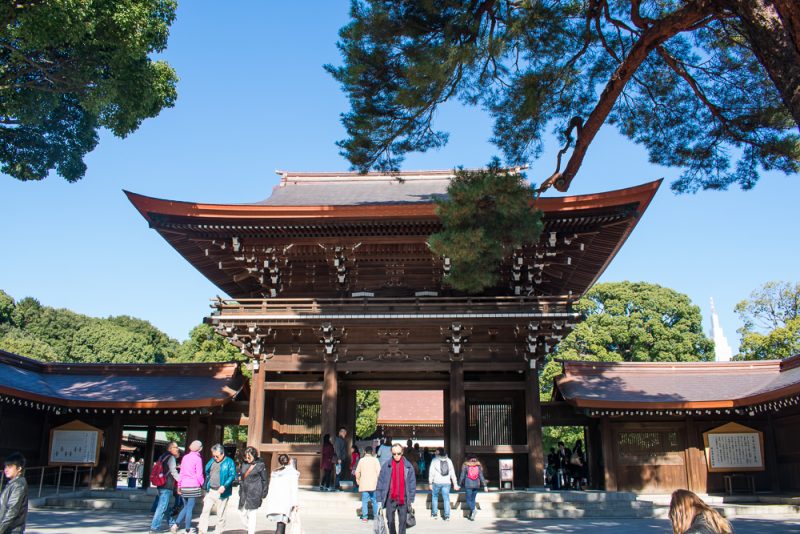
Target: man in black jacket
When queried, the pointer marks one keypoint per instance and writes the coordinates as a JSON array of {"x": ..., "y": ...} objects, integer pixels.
[{"x": 14, "y": 499}]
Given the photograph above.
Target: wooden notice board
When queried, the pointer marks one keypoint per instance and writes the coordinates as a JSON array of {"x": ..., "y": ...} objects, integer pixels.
[
  {"x": 75, "y": 443},
  {"x": 734, "y": 448}
]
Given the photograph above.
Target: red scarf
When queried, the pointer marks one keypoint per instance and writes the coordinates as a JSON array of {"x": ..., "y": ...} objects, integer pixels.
[{"x": 398, "y": 484}]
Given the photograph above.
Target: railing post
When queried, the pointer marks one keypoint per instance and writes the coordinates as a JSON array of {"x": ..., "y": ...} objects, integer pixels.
[
  {"x": 74, "y": 477},
  {"x": 91, "y": 471},
  {"x": 41, "y": 481},
  {"x": 58, "y": 483}
]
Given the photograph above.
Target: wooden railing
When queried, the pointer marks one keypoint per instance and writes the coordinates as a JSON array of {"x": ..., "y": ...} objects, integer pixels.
[{"x": 413, "y": 305}]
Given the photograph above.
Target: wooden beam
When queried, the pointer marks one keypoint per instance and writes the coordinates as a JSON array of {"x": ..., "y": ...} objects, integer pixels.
[
  {"x": 458, "y": 416},
  {"x": 330, "y": 394},
  {"x": 495, "y": 386},
  {"x": 289, "y": 448},
  {"x": 395, "y": 385},
  {"x": 255, "y": 416},
  {"x": 294, "y": 386},
  {"x": 496, "y": 449},
  {"x": 533, "y": 427}
]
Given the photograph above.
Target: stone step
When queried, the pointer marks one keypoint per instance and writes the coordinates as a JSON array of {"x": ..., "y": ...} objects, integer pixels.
[{"x": 499, "y": 505}]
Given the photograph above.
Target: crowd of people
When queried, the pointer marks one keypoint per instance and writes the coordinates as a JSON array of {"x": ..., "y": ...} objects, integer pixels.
[
  {"x": 386, "y": 483},
  {"x": 387, "y": 475},
  {"x": 565, "y": 468}
]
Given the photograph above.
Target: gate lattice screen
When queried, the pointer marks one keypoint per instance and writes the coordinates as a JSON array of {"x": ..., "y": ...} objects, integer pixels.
[{"x": 489, "y": 423}]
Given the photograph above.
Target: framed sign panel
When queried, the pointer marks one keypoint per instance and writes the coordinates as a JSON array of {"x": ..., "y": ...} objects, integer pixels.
[
  {"x": 75, "y": 443},
  {"x": 734, "y": 448}
]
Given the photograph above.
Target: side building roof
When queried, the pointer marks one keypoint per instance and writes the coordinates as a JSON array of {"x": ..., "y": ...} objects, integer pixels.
[
  {"x": 118, "y": 386},
  {"x": 677, "y": 385}
]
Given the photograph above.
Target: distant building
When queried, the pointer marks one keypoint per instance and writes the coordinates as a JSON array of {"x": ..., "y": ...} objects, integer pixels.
[{"x": 722, "y": 349}]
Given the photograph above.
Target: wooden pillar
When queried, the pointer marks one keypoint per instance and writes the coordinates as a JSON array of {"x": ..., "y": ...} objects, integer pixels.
[
  {"x": 149, "y": 453},
  {"x": 533, "y": 427},
  {"x": 458, "y": 416},
  {"x": 609, "y": 467},
  {"x": 212, "y": 436},
  {"x": 192, "y": 431},
  {"x": 255, "y": 416},
  {"x": 593, "y": 448},
  {"x": 771, "y": 456},
  {"x": 112, "y": 441},
  {"x": 44, "y": 440},
  {"x": 330, "y": 398},
  {"x": 696, "y": 474}
]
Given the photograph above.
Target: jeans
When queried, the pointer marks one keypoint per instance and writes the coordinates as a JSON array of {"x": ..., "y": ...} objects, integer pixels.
[
  {"x": 471, "y": 494},
  {"x": 327, "y": 479},
  {"x": 186, "y": 513},
  {"x": 366, "y": 497},
  {"x": 164, "y": 496},
  {"x": 445, "y": 491}
]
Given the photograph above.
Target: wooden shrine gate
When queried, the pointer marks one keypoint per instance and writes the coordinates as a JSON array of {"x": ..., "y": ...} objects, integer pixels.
[{"x": 333, "y": 288}]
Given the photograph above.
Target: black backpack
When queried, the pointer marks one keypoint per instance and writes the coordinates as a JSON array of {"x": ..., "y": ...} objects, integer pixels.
[{"x": 443, "y": 468}]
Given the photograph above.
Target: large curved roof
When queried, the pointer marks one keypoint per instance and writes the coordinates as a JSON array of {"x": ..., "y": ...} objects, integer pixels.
[
  {"x": 677, "y": 385},
  {"x": 128, "y": 386},
  {"x": 309, "y": 214}
]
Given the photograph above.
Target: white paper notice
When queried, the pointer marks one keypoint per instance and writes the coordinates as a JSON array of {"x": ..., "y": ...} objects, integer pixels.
[
  {"x": 74, "y": 447},
  {"x": 729, "y": 451}
]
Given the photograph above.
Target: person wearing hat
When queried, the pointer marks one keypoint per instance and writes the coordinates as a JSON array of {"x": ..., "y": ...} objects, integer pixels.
[
  {"x": 472, "y": 479},
  {"x": 189, "y": 486}
]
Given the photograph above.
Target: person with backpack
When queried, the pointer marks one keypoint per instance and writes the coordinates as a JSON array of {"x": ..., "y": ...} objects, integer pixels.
[
  {"x": 164, "y": 477},
  {"x": 190, "y": 486},
  {"x": 472, "y": 479},
  {"x": 440, "y": 474},
  {"x": 252, "y": 487}
]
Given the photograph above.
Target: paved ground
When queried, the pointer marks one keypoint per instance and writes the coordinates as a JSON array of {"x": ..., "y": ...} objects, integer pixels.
[{"x": 83, "y": 522}]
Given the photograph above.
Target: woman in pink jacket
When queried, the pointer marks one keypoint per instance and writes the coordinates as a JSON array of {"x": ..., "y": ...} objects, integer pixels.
[{"x": 189, "y": 485}]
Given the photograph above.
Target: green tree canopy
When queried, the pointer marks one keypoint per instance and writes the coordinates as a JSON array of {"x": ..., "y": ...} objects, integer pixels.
[
  {"x": 771, "y": 318},
  {"x": 70, "y": 67},
  {"x": 103, "y": 341},
  {"x": 205, "y": 345},
  {"x": 699, "y": 83},
  {"x": 486, "y": 213},
  {"x": 633, "y": 322},
  {"x": 368, "y": 404},
  {"x": 19, "y": 342},
  {"x": 7, "y": 306}
]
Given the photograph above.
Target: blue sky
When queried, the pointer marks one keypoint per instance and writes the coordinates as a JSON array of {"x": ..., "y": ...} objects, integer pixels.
[{"x": 253, "y": 97}]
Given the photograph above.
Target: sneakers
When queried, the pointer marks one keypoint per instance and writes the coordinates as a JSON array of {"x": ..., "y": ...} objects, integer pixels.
[
  {"x": 174, "y": 528},
  {"x": 472, "y": 515},
  {"x": 434, "y": 516},
  {"x": 446, "y": 519}
]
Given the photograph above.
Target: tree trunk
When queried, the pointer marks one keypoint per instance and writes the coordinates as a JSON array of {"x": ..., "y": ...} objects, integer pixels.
[{"x": 773, "y": 30}]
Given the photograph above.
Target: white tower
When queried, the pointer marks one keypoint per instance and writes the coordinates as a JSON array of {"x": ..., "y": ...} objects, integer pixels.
[{"x": 722, "y": 350}]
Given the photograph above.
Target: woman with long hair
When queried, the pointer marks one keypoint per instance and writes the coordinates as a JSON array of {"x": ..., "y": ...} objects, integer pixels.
[
  {"x": 690, "y": 515},
  {"x": 326, "y": 463},
  {"x": 282, "y": 501},
  {"x": 252, "y": 487}
]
